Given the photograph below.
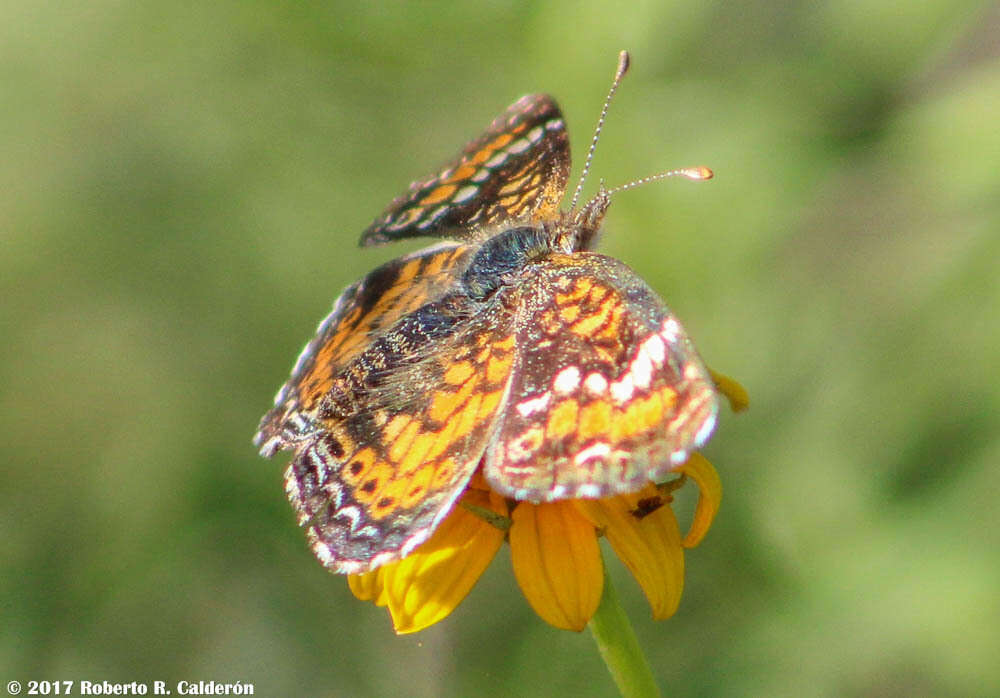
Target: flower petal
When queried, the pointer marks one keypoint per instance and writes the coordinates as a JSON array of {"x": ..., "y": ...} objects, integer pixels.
[
  {"x": 557, "y": 562},
  {"x": 648, "y": 542},
  {"x": 427, "y": 585},
  {"x": 739, "y": 398},
  {"x": 369, "y": 586},
  {"x": 709, "y": 496}
]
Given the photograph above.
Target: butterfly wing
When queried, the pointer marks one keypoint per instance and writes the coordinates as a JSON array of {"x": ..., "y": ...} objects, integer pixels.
[
  {"x": 515, "y": 172},
  {"x": 608, "y": 392},
  {"x": 362, "y": 312},
  {"x": 402, "y": 431}
]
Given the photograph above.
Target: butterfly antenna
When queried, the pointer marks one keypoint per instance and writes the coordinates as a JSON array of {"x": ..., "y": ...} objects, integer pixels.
[
  {"x": 696, "y": 173},
  {"x": 623, "y": 62}
]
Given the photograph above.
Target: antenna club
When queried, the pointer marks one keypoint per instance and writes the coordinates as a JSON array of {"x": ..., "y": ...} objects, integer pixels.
[
  {"x": 697, "y": 173},
  {"x": 623, "y": 63}
]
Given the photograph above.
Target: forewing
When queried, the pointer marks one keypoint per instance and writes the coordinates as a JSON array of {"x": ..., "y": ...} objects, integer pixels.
[
  {"x": 515, "y": 172},
  {"x": 363, "y": 311},
  {"x": 401, "y": 436},
  {"x": 608, "y": 392}
]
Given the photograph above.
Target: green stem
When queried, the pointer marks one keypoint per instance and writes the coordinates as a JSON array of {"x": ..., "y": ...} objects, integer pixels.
[{"x": 619, "y": 647}]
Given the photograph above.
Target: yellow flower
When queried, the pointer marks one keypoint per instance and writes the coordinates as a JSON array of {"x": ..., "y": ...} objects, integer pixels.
[
  {"x": 554, "y": 548},
  {"x": 555, "y": 553},
  {"x": 428, "y": 584}
]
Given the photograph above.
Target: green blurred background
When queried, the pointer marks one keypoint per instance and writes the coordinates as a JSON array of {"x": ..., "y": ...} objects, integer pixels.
[{"x": 182, "y": 186}]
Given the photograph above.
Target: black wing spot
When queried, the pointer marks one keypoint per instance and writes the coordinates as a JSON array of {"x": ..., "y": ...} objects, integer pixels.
[{"x": 334, "y": 446}]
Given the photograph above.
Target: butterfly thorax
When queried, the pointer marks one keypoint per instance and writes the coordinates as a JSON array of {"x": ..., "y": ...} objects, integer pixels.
[{"x": 508, "y": 251}]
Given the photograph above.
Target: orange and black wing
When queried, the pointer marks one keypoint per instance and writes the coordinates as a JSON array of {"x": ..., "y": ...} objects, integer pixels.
[
  {"x": 515, "y": 172},
  {"x": 402, "y": 431},
  {"x": 361, "y": 313},
  {"x": 607, "y": 393}
]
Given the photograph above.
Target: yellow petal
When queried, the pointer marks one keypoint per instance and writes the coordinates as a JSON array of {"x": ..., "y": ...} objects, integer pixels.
[
  {"x": 701, "y": 471},
  {"x": 739, "y": 398},
  {"x": 557, "y": 562},
  {"x": 368, "y": 586},
  {"x": 648, "y": 542},
  {"x": 426, "y": 586}
]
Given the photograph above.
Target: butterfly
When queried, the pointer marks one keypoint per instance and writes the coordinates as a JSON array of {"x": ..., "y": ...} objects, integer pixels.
[{"x": 508, "y": 348}]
